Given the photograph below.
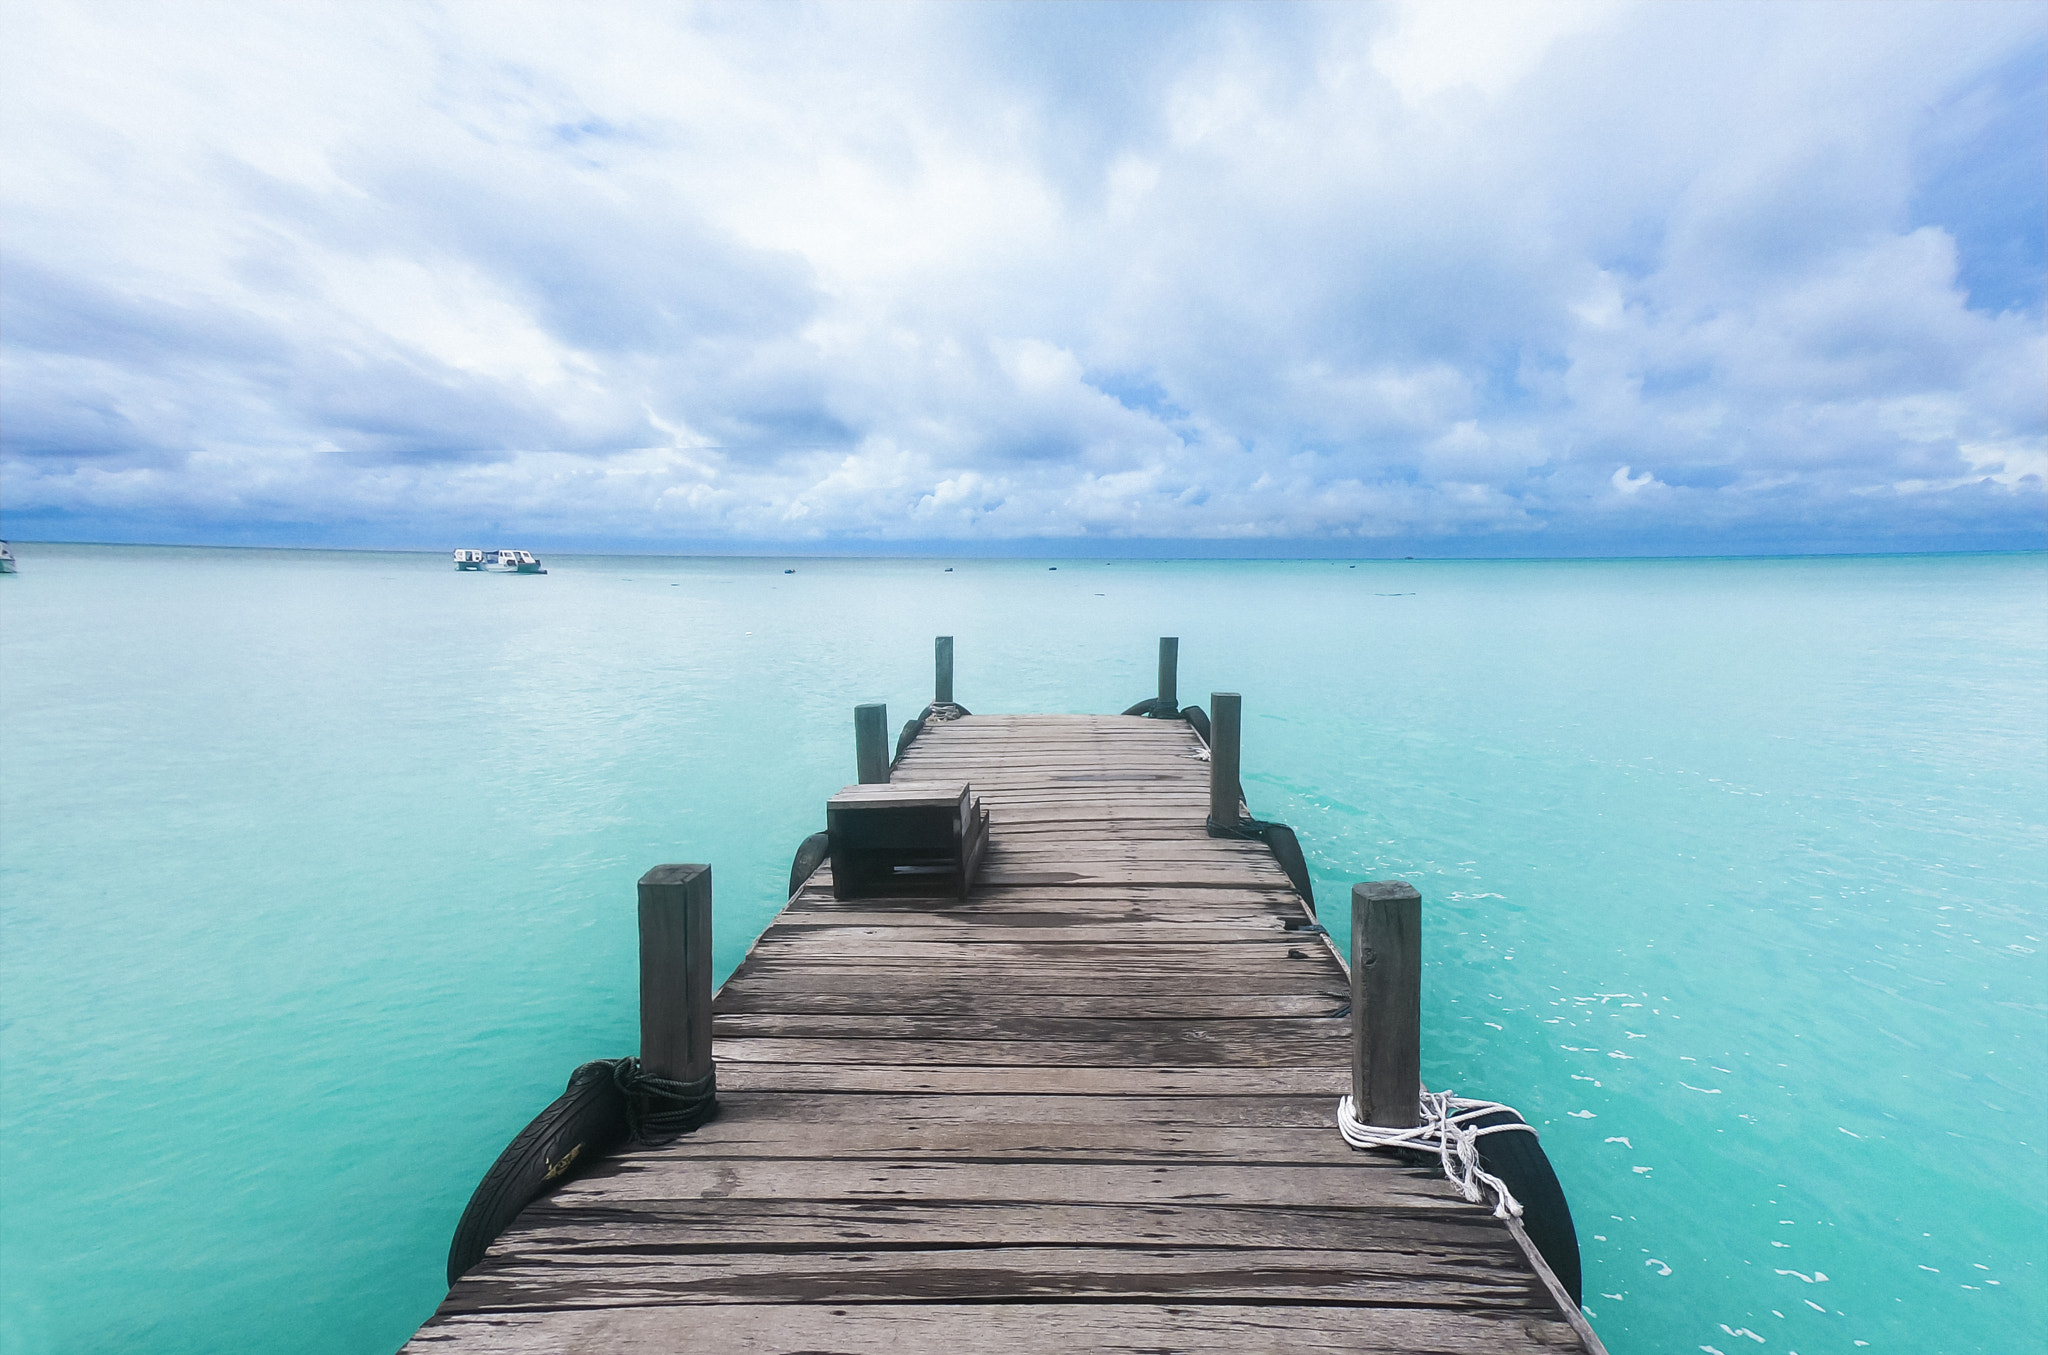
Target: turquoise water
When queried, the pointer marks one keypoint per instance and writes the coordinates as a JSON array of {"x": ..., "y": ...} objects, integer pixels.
[{"x": 318, "y": 878}]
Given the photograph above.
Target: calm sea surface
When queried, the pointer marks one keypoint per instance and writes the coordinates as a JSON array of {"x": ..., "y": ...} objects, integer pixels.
[{"x": 316, "y": 879}]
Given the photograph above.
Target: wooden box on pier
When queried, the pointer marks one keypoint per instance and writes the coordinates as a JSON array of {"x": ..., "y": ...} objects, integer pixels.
[{"x": 920, "y": 838}]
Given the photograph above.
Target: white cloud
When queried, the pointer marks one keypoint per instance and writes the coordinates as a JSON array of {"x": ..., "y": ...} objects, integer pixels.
[
  {"x": 1480, "y": 45},
  {"x": 1632, "y": 484},
  {"x": 644, "y": 272}
]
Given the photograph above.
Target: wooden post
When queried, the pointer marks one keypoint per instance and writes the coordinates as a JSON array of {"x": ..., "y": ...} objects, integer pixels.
[
  {"x": 675, "y": 972},
  {"x": 942, "y": 662},
  {"x": 1169, "y": 674},
  {"x": 1226, "y": 719},
  {"x": 1386, "y": 1003},
  {"x": 871, "y": 743}
]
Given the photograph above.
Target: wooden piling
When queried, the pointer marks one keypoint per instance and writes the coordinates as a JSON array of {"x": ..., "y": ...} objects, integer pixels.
[
  {"x": 871, "y": 743},
  {"x": 942, "y": 664},
  {"x": 1226, "y": 720},
  {"x": 1386, "y": 1003},
  {"x": 1169, "y": 674},
  {"x": 675, "y": 972}
]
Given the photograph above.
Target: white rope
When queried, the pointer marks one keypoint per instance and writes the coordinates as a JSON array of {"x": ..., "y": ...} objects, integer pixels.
[{"x": 1444, "y": 1128}]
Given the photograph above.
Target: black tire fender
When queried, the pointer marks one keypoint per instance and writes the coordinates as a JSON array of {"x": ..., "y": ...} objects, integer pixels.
[
  {"x": 584, "y": 1123},
  {"x": 1519, "y": 1160},
  {"x": 1286, "y": 848},
  {"x": 809, "y": 856}
]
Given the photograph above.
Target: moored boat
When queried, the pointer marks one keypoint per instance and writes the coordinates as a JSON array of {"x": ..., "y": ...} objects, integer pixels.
[
  {"x": 469, "y": 559},
  {"x": 6, "y": 559},
  {"x": 512, "y": 562}
]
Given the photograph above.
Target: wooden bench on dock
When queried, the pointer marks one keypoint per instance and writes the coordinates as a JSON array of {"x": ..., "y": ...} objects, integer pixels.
[{"x": 1089, "y": 1106}]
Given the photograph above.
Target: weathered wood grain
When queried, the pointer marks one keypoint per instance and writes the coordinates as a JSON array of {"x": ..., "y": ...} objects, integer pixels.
[
  {"x": 1091, "y": 1106},
  {"x": 794, "y": 999},
  {"x": 949, "y": 1328},
  {"x": 802, "y": 1113},
  {"x": 1054, "y": 1079},
  {"x": 721, "y": 1225},
  {"x": 1173, "y": 1048},
  {"x": 636, "y": 1276}
]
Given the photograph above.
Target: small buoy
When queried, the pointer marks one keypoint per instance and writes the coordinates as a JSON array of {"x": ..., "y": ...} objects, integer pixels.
[{"x": 1052, "y": 569}]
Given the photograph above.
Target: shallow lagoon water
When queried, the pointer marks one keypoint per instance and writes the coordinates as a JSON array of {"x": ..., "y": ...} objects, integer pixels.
[{"x": 316, "y": 878}]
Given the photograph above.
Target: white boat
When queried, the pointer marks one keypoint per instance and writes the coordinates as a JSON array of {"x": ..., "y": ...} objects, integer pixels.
[
  {"x": 469, "y": 559},
  {"x": 6, "y": 559},
  {"x": 512, "y": 562}
]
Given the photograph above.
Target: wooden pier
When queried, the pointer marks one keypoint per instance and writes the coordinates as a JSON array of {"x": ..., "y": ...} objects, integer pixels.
[{"x": 1091, "y": 1106}]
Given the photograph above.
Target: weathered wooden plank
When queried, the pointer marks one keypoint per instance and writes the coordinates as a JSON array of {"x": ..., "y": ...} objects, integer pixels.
[
  {"x": 1052, "y": 1080},
  {"x": 1037, "y": 945},
  {"x": 1095, "y": 744},
  {"x": 990, "y": 764},
  {"x": 995, "y": 769},
  {"x": 720, "y": 1224},
  {"x": 946, "y": 1329},
  {"x": 1278, "y": 959},
  {"x": 1192, "y": 904},
  {"x": 1024, "y": 827},
  {"x": 589, "y": 1277},
  {"x": 1262, "y": 887},
  {"x": 1103, "y": 931},
  {"x": 1137, "y": 1048},
  {"x": 645, "y": 1176},
  {"x": 757, "y": 995},
  {"x": 935, "y": 1140},
  {"x": 911, "y": 1113},
  {"x": 1124, "y": 917},
  {"x": 1101, "y": 979},
  {"x": 989, "y": 1026},
  {"x": 1192, "y": 874},
  {"x": 1120, "y": 922},
  {"x": 1159, "y": 863}
]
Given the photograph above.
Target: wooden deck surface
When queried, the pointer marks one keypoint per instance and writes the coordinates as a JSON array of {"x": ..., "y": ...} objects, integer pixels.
[{"x": 1093, "y": 1107}]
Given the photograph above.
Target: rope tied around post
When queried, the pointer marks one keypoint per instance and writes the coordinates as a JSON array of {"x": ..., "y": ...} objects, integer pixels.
[
  {"x": 1445, "y": 1129},
  {"x": 660, "y": 1110}
]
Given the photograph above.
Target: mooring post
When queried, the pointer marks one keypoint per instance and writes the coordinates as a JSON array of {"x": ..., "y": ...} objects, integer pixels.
[
  {"x": 675, "y": 973},
  {"x": 942, "y": 664},
  {"x": 1386, "y": 1003},
  {"x": 1169, "y": 674},
  {"x": 1226, "y": 711},
  {"x": 871, "y": 742}
]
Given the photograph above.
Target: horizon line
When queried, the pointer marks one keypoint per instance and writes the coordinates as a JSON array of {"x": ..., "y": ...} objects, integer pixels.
[{"x": 986, "y": 556}]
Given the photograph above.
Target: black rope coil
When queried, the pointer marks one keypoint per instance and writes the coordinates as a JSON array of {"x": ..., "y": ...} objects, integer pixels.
[{"x": 660, "y": 1110}]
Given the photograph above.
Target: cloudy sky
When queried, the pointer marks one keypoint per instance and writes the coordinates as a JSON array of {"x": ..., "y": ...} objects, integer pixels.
[{"x": 1442, "y": 278}]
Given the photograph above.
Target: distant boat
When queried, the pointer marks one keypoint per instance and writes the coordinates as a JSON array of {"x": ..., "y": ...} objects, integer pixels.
[
  {"x": 499, "y": 561},
  {"x": 6, "y": 559}
]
